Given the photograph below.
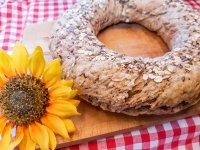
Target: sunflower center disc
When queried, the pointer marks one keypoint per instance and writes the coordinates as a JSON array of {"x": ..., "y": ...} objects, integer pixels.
[{"x": 23, "y": 100}]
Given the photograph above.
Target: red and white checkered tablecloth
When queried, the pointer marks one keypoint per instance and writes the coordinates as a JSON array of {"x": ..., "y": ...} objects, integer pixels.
[{"x": 182, "y": 134}]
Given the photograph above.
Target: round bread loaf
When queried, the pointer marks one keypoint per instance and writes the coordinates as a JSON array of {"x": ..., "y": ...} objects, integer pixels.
[{"x": 124, "y": 84}]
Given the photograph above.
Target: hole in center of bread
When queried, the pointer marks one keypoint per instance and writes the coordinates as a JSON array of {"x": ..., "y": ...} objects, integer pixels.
[{"x": 133, "y": 40}]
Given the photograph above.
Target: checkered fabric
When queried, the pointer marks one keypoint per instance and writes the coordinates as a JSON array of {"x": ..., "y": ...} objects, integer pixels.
[{"x": 182, "y": 134}]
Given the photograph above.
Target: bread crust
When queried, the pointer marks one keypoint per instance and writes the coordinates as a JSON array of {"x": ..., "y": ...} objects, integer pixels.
[{"x": 124, "y": 84}]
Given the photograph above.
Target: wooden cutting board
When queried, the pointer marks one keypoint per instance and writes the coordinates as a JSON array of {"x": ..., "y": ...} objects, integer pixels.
[{"x": 130, "y": 39}]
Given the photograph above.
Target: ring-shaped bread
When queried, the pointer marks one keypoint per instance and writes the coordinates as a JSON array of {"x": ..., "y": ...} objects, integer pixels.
[{"x": 124, "y": 84}]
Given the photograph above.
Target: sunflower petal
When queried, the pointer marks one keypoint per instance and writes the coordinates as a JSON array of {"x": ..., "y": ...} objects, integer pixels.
[
  {"x": 61, "y": 91},
  {"x": 22, "y": 145},
  {"x": 27, "y": 143},
  {"x": 58, "y": 127},
  {"x": 6, "y": 64},
  {"x": 69, "y": 125},
  {"x": 37, "y": 62},
  {"x": 52, "y": 139},
  {"x": 73, "y": 93},
  {"x": 20, "y": 55},
  {"x": 4, "y": 147},
  {"x": 19, "y": 137},
  {"x": 30, "y": 145},
  {"x": 6, "y": 137},
  {"x": 2, "y": 123},
  {"x": 61, "y": 83},
  {"x": 52, "y": 73},
  {"x": 3, "y": 79},
  {"x": 39, "y": 135},
  {"x": 62, "y": 109},
  {"x": 72, "y": 101},
  {"x": 67, "y": 83}
]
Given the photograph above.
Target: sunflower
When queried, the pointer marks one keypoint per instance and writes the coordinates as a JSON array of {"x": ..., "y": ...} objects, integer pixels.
[{"x": 34, "y": 100}]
